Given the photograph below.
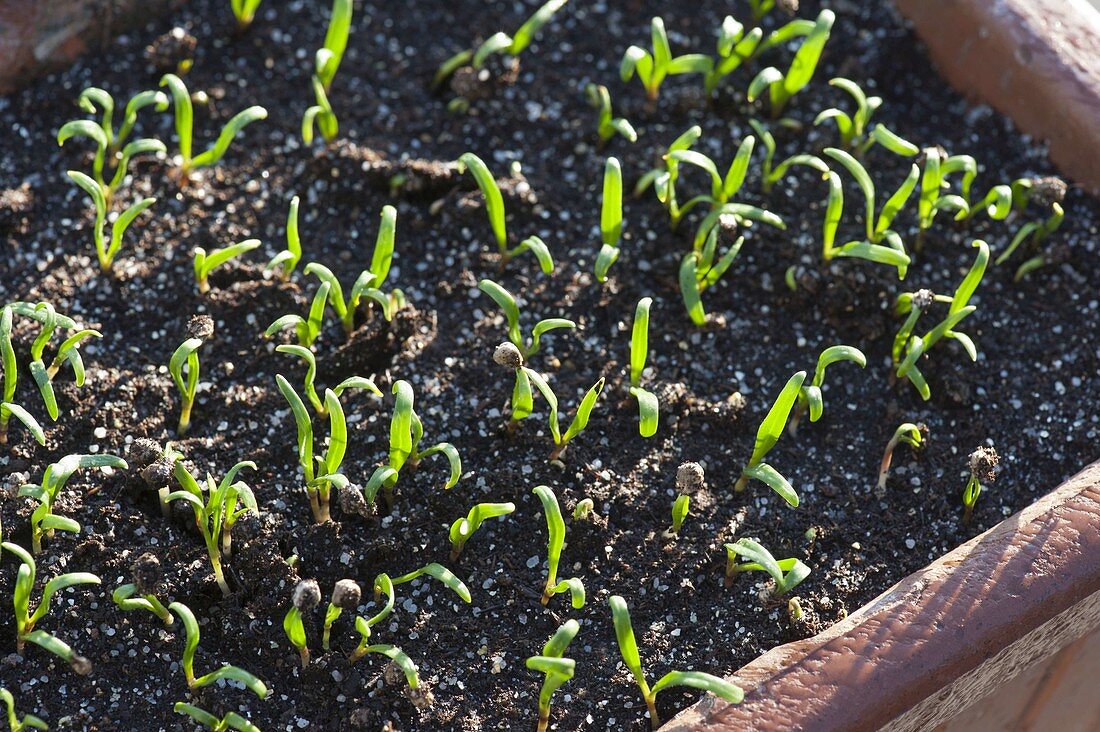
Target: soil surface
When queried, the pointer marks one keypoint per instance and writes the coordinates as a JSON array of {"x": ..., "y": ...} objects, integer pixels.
[{"x": 1032, "y": 393}]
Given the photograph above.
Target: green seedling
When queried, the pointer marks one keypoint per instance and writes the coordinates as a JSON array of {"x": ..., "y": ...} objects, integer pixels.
[
  {"x": 702, "y": 269},
  {"x": 232, "y": 673},
  {"x": 352, "y": 382},
  {"x": 306, "y": 329},
  {"x": 345, "y": 596},
  {"x": 809, "y": 396},
  {"x": 307, "y": 595},
  {"x": 327, "y": 59},
  {"x": 43, "y": 521},
  {"x": 908, "y": 433},
  {"x": 406, "y": 433},
  {"x": 937, "y": 166},
  {"x": 556, "y": 669},
  {"x": 584, "y": 510},
  {"x": 435, "y": 571},
  {"x": 787, "y": 573},
  {"x": 648, "y": 409},
  {"x": 185, "y": 119},
  {"x": 498, "y": 44},
  {"x": 231, "y": 721},
  {"x": 982, "y": 465},
  {"x": 767, "y": 435},
  {"x": 285, "y": 262},
  {"x": 463, "y": 528},
  {"x": 608, "y": 125},
  {"x": 321, "y": 116},
  {"x": 580, "y": 419},
  {"x": 15, "y": 722},
  {"x": 8, "y": 408},
  {"x": 555, "y": 527},
  {"x": 611, "y": 219},
  {"x": 735, "y": 48},
  {"x": 187, "y": 354},
  {"x": 508, "y": 305},
  {"x": 383, "y": 585},
  {"x": 856, "y": 134},
  {"x": 1033, "y": 233},
  {"x": 782, "y": 86},
  {"x": 653, "y": 67},
  {"x": 107, "y": 249},
  {"x": 494, "y": 207},
  {"x": 245, "y": 12},
  {"x": 680, "y": 509},
  {"x": 205, "y": 262},
  {"x": 398, "y": 657},
  {"x": 628, "y": 648},
  {"x": 663, "y": 178},
  {"x": 123, "y": 596},
  {"x": 25, "y": 620},
  {"x": 217, "y": 508}
]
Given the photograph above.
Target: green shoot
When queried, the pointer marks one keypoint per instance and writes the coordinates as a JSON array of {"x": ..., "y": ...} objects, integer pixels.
[
  {"x": 346, "y": 595},
  {"x": 781, "y": 87},
  {"x": 648, "y": 408},
  {"x": 285, "y": 262},
  {"x": 856, "y": 134},
  {"x": 187, "y": 353},
  {"x": 15, "y": 723},
  {"x": 766, "y": 436},
  {"x": 8, "y": 408},
  {"x": 555, "y": 527},
  {"x": 494, "y": 207},
  {"x": 760, "y": 8},
  {"x": 217, "y": 508},
  {"x": 43, "y": 521},
  {"x": 700, "y": 270},
  {"x": 937, "y": 166},
  {"x": 663, "y": 177},
  {"x": 107, "y": 249},
  {"x": 580, "y": 419},
  {"x": 982, "y": 465},
  {"x": 184, "y": 119},
  {"x": 680, "y": 509},
  {"x": 306, "y": 329},
  {"x": 908, "y": 433},
  {"x": 231, "y": 721},
  {"x": 463, "y": 528},
  {"x": 232, "y": 673},
  {"x": 307, "y": 595},
  {"x": 735, "y": 47},
  {"x": 382, "y": 585},
  {"x": 327, "y": 59},
  {"x": 26, "y": 620},
  {"x": 508, "y": 305},
  {"x": 245, "y": 12},
  {"x": 628, "y": 648},
  {"x": 809, "y": 397},
  {"x": 352, "y": 382},
  {"x": 123, "y": 596},
  {"x": 611, "y": 218},
  {"x": 584, "y": 510},
  {"x": 435, "y": 571},
  {"x": 205, "y": 263},
  {"x": 399, "y": 658},
  {"x": 787, "y": 573},
  {"x": 1034, "y": 233},
  {"x": 653, "y": 67},
  {"x": 557, "y": 669},
  {"x": 321, "y": 116},
  {"x": 607, "y": 125}
]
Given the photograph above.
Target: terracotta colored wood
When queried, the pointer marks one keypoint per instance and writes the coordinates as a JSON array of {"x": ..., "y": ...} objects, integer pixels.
[
  {"x": 940, "y": 640},
  {"x": 1038, "y": 61}
]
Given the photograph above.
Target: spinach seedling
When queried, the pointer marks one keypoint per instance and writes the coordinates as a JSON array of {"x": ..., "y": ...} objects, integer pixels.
[
  {"x": 766, "y": 436},
  {"x": 231, "y": 721},
  {"x": 44, "y": 522},
  {"x": 702, "y": 269},
  {"x": 187, "y": 354},
  {"x": 232, "y": 673},
  {"x": 217, "y": 509},
  {"x": 245, "y": 12},
  {"x": 937, "y": 166},
  {"x": 555, "y": 527},
  {"x": 809, "y": 396},
  {"x": 123, "y": 596},
  {"x": 327, "y": 59},
  {"x": 463, "y": 528},
  {"x": 508, "y": 305},
  {"x": 608, "y": 125},
  {"x": 680, "y": 509},
  {"x": 494, "y": 207},
  {"x": 306, "y": 329},
  {"x": 584, "y": 510},
  {"x": 107, "y": 249},
  {"x": 908, "y": 433},
  {"x": 653, "y": 67},
  {"x": 8, "y": 407},
  {"x": 25, "y": 620},
  {"x": 982, "y": 465},
  {"x": 648, "y": 407},
  {"x": 856, "y": 134},
  {"x": 285, "y": 262},
  {"x": 782, "y": 86},
  {"x": 664, "y": 176},
  {"x": 185, "y": 118},
  {"x": 320, "y": 116},
  {"x": 307, "y": 595},
  {"x": 735, "y": 48},
  {"x": 352, "y": 382},
  {"x": 580, "y": 419},
  {"x": 628, "y": 648},
  {"x": 15, "y": 723},
  {"x": 206, "y": 262},
  {"x": 1033, "y": 233},
  {"x": 346, "y": 595},
  {"x": 436, "y": 571},
  {"x": 556, "y": 669},
  {"x": 611, "y": 219},
  {"x": 787, "y": 573}
]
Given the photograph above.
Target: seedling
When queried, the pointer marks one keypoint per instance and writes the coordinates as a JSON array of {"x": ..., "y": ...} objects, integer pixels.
[
  {"x": 856, "y": 134},
  {"x": 43, "y": 521},
  {"x": 352, "y": 382},
  {"x": 345, "y": 596},
  {"x": 611, "y": 218},
  {"x": 187, "y": 353},
  {"x": 760, "y": 8},
  {"x": 648, "y": 408},
  {"x": 25, "y": 620},
  {"x": 937, "y": 166},
  {"x": 908, "y": 433},
  {"x": 217, "y": 509},
  {"x": 982, "y": 464},
  {"x": 555, "y": 527},
  {"x": 406, "y": 432},
  {"x": 809, "y": 396},
  {"x": 382, "y": 585},
  {"x": 8, "y": 408},
  {"x": 494, "y": 207},
  {"x": 398, "y": 657},
  {"x": 702, "y": 269},
  {"x": 436, "y": 571},
  {"x": 306, "y": 329},
  {"x": 205, "y": 263},
  {"x": 245, "y": 12},
  {"x": 508, "y": 305},
  {"x": 327, "y": 59},
  {"x": 766, "y": 436},
  {"x": 557, "y": 669},
  {"x": 680, "y": 509},
  {"x": 735, "y": 48},
  {"x": 663, "y": 177},
  {"x": 185, "y": 117},
  {"x": 584, "y": 510},
  {"x": 123, "y": 596},
  {"x": 307, "y": 595},
  {"x": 233, "y": 673},
  {"x": 628, "y": 648},
  {"x": 653, "y": 67},
  {"x": 1034, "y": 233},
  {"x": 285, "y": 262},
  {"x": 320, "y": 115},
  {"x": 580, "y": 419},
  {"x": 782, "y": 86},
  {"x": 787, "y": 573},
  {"x": 231, "y": 721},
  {"x": 106, "y": 250},
  {"x": 608, "y": 125},
  {"x": 15, "y": 723},
  {"x": 463, "y": 528}
]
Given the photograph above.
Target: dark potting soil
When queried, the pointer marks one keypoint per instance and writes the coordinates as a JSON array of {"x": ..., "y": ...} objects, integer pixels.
[{"x": 1032, "y": 393}]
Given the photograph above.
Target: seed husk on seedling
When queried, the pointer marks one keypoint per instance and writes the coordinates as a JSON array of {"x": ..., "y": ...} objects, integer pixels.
[
  {"x": 192, "y": 636},
  {"x": 307, "y": 595},
  {"x": 463, "y": 528},
  {"x": 43, "y": 521},
  {"x": 556, "y": 669},
  {"x": 787, "y": 573},
  {"x": 345, "y": 596},
  {"x": 555, "y": 527},
  {"x": 231, "y": 721},
  {"x": 648, "y": 408},
  {"x": 771, "y": 428},
  {"x": 628, "y": 648},
  {"x": 690, "y": 479},
  {"x": 608, "y": 125},
  {"x": 982, "y": 465},
  {"x": 907, "y": 432},
  {"x": 15, "y": 723}
]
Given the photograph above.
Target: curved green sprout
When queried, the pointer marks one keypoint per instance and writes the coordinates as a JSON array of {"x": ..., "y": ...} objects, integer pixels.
[
  {"x": 43, "y": 521},
  {"x": 580, "y": 419},
  {"x": 382, "y": 585},
  {"x": 680, "y": 509},
  {"x": 306, "y": 329},
  {"x": 557, "y": 669},
  {"x": 231, "y": 721},
  {"x": 663, "y": 177},
  {"x": 436, "y": 571},
  {"x": 510, "y": 308},
  {"x": 735, "y": 47},
  {"x": 781, "y": 87},
  {"x": 463, "y": 528},
  {"x": 123, "y": 596},
  {"x": 187, "y": 353},
  {"x": 233, "y": 673},
  {"x": 653, "y": 67},
  {"x": 809, "y": 397},
  {"x": 766, "y": 436},
  {"x": 245, "y": 12},
  {"x": 628, "y": 648},
  {"x": 352, "y": 382},
  {"x": 205, "y": 262},
  {"x": 285, "y": 262},
  {"x": 607, "y": 125},
  {"x": 611, "y": 218},
  {"x": 15, "y": 723},
  {"x": 907, "y": 432},
  {"x": 321, "y": 116},
  {"x": 856, "y": 134},
  {"x": 555, "y": 527},
  {"x": 648, "y": 408},
  {"x": 787, "y": 573},
  {"x": 106, "y": 250},
  {"x": 700, "y": 270}
]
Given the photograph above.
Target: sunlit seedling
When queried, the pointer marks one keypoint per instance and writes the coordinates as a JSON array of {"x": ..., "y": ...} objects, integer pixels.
[
  {"x": 231, "y": 721},
  {"x": 556, "y": 669},
  {"x": 611, "y": 218},
  {"x": 285, "y": 262},
  {"x": 44, "y": 522},
  {"x": 787, "y": 573},
  {"x": 555, "y": 527},
  {"x": 735, "y": 48},
  {"x": 652, "y": 67},
  {"x": 767, "y": 435},
  {"x": 206, "y": 262},
  {"x": 463, "y": 528},
  {"x": 648, "y": 407},
  {"x": 782, "y": 86},
  {"x": 809, "y": 396},
  {"x": 187, "y": 661},
  {"x": 982, "y": 466},
  {"x": 526, "y": 346},
  {"x": 906, "y": 433},
  {"x": 15, "y": 722},
  {"x": 608, "y": 125},
  {"x": 107, "y": 248}
]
